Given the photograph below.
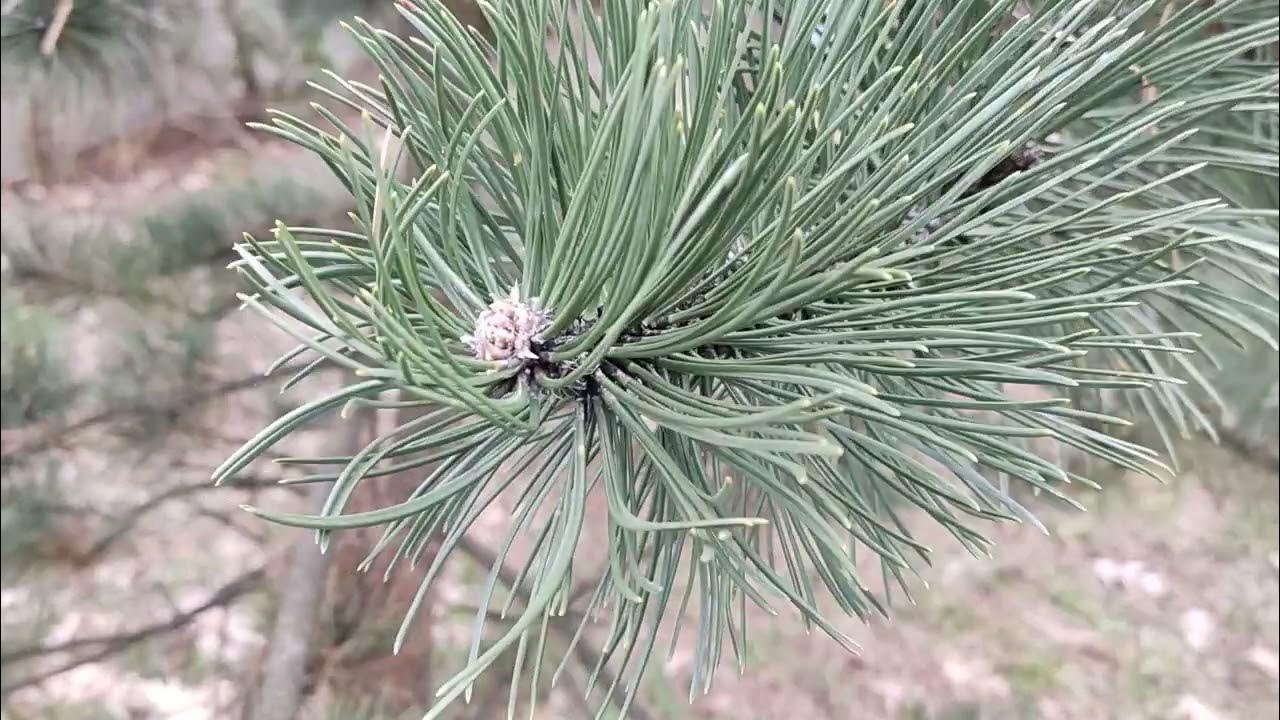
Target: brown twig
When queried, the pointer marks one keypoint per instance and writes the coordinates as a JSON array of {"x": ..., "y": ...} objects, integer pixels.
[
  {"x": 14, "y": 444},
  {"x": 121, "y": 525},
  {"x": 245, "y": 49},
  {"x": 108, "y": 645},
  {"x": 284, "y": 678},
  {"x": 1262, "y": 453}
]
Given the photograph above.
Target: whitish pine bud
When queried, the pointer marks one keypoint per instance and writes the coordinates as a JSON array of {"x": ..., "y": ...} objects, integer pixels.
[{"x": 506, "y": 330}]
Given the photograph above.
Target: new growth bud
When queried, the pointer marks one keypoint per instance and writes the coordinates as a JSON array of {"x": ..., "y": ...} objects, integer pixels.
[{"x": 506, "y": 330}]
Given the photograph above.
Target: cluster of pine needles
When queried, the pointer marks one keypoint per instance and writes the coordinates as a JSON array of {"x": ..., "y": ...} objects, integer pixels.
[{"x": 794, "y": 269}]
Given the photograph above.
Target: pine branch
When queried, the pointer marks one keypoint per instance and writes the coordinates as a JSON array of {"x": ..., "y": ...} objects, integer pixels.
[
  {"x": 302, "y": 595},
  {"x": 121, "y": 525},
  {"x": 104, "y": 646},
  {"x": 765, "y": 287},
  {"x": 24, "y": 441}
]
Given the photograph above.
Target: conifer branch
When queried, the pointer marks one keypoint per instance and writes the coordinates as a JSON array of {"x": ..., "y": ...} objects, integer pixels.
[{"x": 763, "y": 287}]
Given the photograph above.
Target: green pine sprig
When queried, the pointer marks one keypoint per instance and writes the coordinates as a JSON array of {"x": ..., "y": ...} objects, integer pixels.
[{"x": 761, "y": 277}]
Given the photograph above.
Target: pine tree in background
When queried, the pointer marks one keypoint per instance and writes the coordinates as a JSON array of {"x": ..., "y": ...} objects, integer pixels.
[
  {"x": 83, "y": 231},
  {"x": 68, "y": 55},
  {"x": 121, "y": 194},
  {"x": 760, "y": 275}
]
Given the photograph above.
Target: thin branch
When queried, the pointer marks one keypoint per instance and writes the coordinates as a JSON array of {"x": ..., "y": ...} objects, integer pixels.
[
  {"x": 245, "y": 49},
  {"x": 111, "y": 644},
  {"x": 14, "y": 445},
  {"x": 228, "y": 520},
  {"x": 126, "y": 522},
  {"x": 1262, "y": 453}
]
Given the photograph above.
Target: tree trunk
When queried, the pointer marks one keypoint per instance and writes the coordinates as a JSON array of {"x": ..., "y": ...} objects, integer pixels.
[
  {"x": 302, "y": 591},
  {"x": 364, "y": 601},
  {"x": 301, "y": 595}
]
